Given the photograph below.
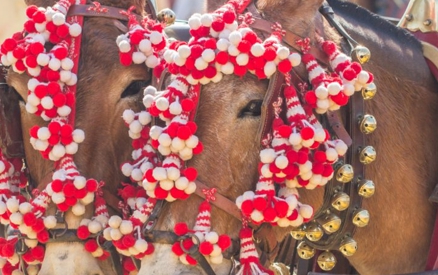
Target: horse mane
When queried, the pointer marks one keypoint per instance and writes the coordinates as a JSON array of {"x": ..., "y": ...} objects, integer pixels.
[{"x": 358, "y": 13}]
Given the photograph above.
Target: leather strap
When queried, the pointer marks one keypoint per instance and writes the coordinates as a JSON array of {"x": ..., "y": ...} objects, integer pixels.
[
  {"x": 101, "y": 11},
  {"x": 338, "y": 127},
  {"x": 11, "y": 138}
]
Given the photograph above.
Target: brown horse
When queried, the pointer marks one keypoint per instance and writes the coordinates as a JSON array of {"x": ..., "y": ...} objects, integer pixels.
[
  {"x": 105, "y": 90},
  {"x": 398, "y": 237}
]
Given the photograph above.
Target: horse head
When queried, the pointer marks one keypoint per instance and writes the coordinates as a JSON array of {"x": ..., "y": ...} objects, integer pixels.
[{"x": 105, "y": 88}]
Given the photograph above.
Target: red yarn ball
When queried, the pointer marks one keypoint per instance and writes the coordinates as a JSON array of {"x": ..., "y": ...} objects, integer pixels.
[
  {"x": 229, "y": 17},
  {"x": 191, "y": 173},
  {"x": 9, "y": 44},
  {"x": 198, "y": 149},
  {"x": 210, "y": 44},
  {"x": 128, "y": 241},
  {"x": 128, "y": 264},
  {"x": 43, "y": 236},
  {"x": 160, "y": 193},
  {"x": 59, "y": 100},
  {"x": 260, "y": 203},
  {"x": 91, "y": 245},
  {"x": 57, "y": 185},
  {"x": 176, "y": 248},
  {"x": 70, "y": 201},
  {"x": 187, "y": 105},
  {"x": 83, "y": 232},
  {"x": 307, "y": 133},
  {"x": 31, "y": 61},
  {"x": 8, "y": 250},
  {"x": 285, "y": 131},
  {"x": 222, "y": 58},
  {"x": 125, "y": 58},
  {"x": 60, "y": 53},
  {"x": 247, "y": 207},
  {"x": 29, "y": 26},
  {"x": 28, "y": 257},
  {"x": 284, "y": 66},
  {"x": 51, "y": 27},
  {"x": 184, "y": 132},
  {"x": 224, "y": 242},
  {"x": 34, "y": 131},
  {"x": 239, "y": 70},
  {"x": 329, "y": 47},
  {"x": 251, "y": 37},
  {"x": 91, "y": 185},
  {"x": 320, "y": 156},
  {"x": 29, "y": 219},
  {"x": 293, "y": 216},
  {"x": 136, "y": 37},
  {"x": 62, "y": 31},
  {"x": 244, "y": 46},
  {"x": 36, "y": 48},
  {"x": 196, "y": 51},
  {"x": 328, "y": 170},
  {"x": 38, "y": 253},
  {"x": 341, "y": 99},
  {"x": 39, "y": 16},
  {"x": 30, "y": 10},
  {"x": 206, "y": 248},
  {"x": 69, "y": 189},
  {"x": 302, "y": 157},
  {"x": 218, "y": 25},
  {"x": 281, "y": 207},
  {"x": 270, "y": 54},
  {"x": 211, "y": 71},
  {"x": 38, "y": 226},
  {"x": 269, "y": 214},
  {"x": 18, "y": 53}
]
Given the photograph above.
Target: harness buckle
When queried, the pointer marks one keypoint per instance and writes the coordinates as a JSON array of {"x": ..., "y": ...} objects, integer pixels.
[
  {"x": 20, "y": 246},
  {"x": 194, "y": 248}
]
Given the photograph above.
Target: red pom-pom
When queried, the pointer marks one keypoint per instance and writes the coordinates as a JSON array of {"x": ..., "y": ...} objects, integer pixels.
[
  {"x": 191, "y": 174},
  {"x": 184, "y": 132},
  {"x": 198, "y": 149},
  {"x": 69, "y": 189},
  {"x": 29, "y": 26},
  {"x": 292, "y": 156},
  {"x": 302, "y": 157},
  {"x": 307, "y": 133},
  {"x": 128, "y": 241},
  {"x": 30, "y": 11},
  {"x": 63, "y": 207},
  {"x": 206, "y": 248},
  {"x": 222, "y": 58},
  {"x": 270, "y": 214},
  {"x": 270, "y": 54},
  {"x": 196, "y": 51},
  {"x": 136, "y": 37},
  {"x": 57, "y": 186},
  {"x": 224, "y": 242},
  {"x": 62, "y": 31},
  {"x": 176, "y": 248},
  {"x": 91, "y": 245},
  {"x": 70, "y": 201},
  {"x": 247, "y": 207},
  {"x": 31, "y": 61},
  {"x": 285, "y": 131},
  {"x": 187, "y": 105},
  {"x": 260, "y": 203},
  {"x": 36, "y": 48},
  {"x": 251, "y": 37},
  {"x": 191, "y": 260},
  {"x": 54, "y": 127},
  {"x": 53, "y": 76},
  {"x": 158, "y": 70},
  {"x": 244, "y": 46},
  {"x": 43, "y": 236},
  {"x": 28, "y": 257},
  {"x": 126, "y": 59},
  {"x": 34, "y": 131},
  {"x": 229, "y": 17},
  {"x": 9, "y": 44},
  {"x": 218, "y": 25},
  {"x": 328, "y": 170},
  {"x": 29, "y": 219},
  {"x": 329, "y": 47},
  {"x": 211, "y": 71},
  {"x": 18, "y": 53},
  {"x": 281, "y": 208},
  {"x": 92, "y": 185},
  {"x": 66, "y": 130},
  {"x": 20, "y": 66},
  {"x": 294, "y": 215},
  {"x": 38, "y": 226},
  {"x": 8, "y": 250},
  {"x": 128, "y": 264},
  {"x": 284, "y": 66},
  {"x": 306, "y": 58},
  {"x": 59, "y": 100},
  {"x": 239, "y": 70},
  {"x": 81, "y": 193},
  {"x": 371, "y": 78},
  {"x": 349, "y": 74},
  {"x": 83, "y": 232},
  {"x": 39, "y": 16},
  {"x": 320, "y": 156},
  {"x": 341, "y": 99},
  {"x": 60, "y": 53},
  {"x": 38, "y": 253},
  {"x": 160, "y": 193},
  {"x": 210, "y": 44}
]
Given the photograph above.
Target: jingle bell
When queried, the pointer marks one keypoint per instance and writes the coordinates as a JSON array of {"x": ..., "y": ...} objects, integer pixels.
[
  {"x": 345, "y": 173},
  {"x": 363, "y": 54},
  {"x": 330, "y": 223},
  {"x": 369, "y": 92},
  {"x": 298, "y": 233},
  {"x": 348, "y": 246},
  {"x": 367, "y": 155},
  {"x": 340, "y": 201},
  {"x": 314, "y": 232},
  {"x": 279, "y": 269},
  {"x": 366, "y": 188},
  {"x": 166, "y": 16},
  {"x": 361, "y": 218},
  {"x": 305, "y": 251},
  {"x": 368, "y": 124},
  {"x": 326, "y": 261}
]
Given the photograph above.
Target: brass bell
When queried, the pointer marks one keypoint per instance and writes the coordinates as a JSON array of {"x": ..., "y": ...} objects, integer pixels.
[
  {"x": 326, "y": 261},
  {"x": 166, "y": 16},
  {"x": 369, "y": 92},
  {"x": 345, "y": 173},
  {"x": 305, "y": 251},
  {"x": 340, "y": 201},
  {"x": 368, "y": 155},
  {"x": 348, "y": 246},
  {"x": 314, "y": 232},
  {"x": 361, "y": 218},
  {"x": 368, "y": 124},
  {"x": 298, "y": 233},
  {"x": 330, "y": 223},
  {"x": 363, "y": 54},
  {"x": 279, "y": 269},
  {"x": 366, "y": 188}
]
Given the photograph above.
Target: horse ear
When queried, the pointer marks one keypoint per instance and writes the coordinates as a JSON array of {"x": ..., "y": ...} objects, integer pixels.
[{"x": 40, "y": 3}]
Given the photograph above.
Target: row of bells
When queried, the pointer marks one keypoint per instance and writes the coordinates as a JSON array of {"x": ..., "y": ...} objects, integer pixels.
[{"x": 330, "y": 223}]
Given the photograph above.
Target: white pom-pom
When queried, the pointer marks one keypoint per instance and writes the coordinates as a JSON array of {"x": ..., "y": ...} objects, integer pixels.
[
  {"x": 159, "y": 173},
  {"x": 152, "y": 61},
  {"x": 166, "y": 184},
  {"x": 257, "y": 216},
  {"x": 348, "y": 89},
  {"x": 242, "y": 59},
  {"x": 78, "y": 209},
  {"x": 206, "y": 19},
  {"x": 235, "y": 38},
  {"x": 54, "y": 64},
  {"x": 295, "y": 59},
  {"x": 173, "y": 173},
  {"x": 222, "y": 44},
  {"x": 306, "y": 211},
  {"x": 233, "y": 50},
  {"x": 155, "y": 37},
  {"x": 182, "y": 183},
  {"x": 138, "y": 57},
  {"x": 71, "y": 148},
  {"x": 184, "y": 51},
  {"x": 89, "y": 198},
  {"x": 50, "y": 222},
  {"x": 208, "y": 55},
  {"x": 281, "y": 162},
  {"x": 58, "y": 198},
  {"x": 194, "y": 23},
  {"x": 341, "y": 147},
  {"x": 228, "y": 68},
  {"x": 128, "y": 116},
  {"x": 115, "y": 222},
  {"x": 25, "y": 207},
  {"x": 323, "y": 104},
  {"x": 363, "y": 77},
  {"x": 16, "y": 218},
  {"x": 295, "y": 139},
  {"x": 334, "y": 88},
  {"x": 270, "y": 68},
  {"x": 115, "y": 234},
  {"x": 65, "y": 76},
  {"x": 73, "y": 80},
  {"x": 144, "y": 118},
  {"x": 190, "y": 188},
  {"x": 145, "y": 46},
  {"x": 192, "y": 141},
  {"x": 212, "y": 237},
  {"x": 141, "y": 245},
  {"x": 267, "y": 155},
  {"x": 75, "y": 30},
  {"x": 67, "y": 64},
  {"x": 43, "y": 133},
  {"x": 127, "y": 169},
  {"x": 12, "y": 204},
  {"x": 201, "y": 64},
  {"x": 58, "y": 150},
  {"x": 126, "y": 227},
  {"x": 94, "y": 227},
  {"x": 58, "y": 19},
  {"x": 283, "y": 52},
  {"x": 33, "y": 100},
  {"x": 175, "y": 108},
  {"x": 47, "y": 102},
  {"x": 124, "y": 46},
  {"x": 321, "y": 92},
  {"x": 64, "y": 111},
  {"x": 320, "y": 135},
  {"x": 43, "y": 59}
]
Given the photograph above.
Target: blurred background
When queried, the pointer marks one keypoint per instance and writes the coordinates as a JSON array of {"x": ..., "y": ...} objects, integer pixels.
[{"x": 12, "y": 14}]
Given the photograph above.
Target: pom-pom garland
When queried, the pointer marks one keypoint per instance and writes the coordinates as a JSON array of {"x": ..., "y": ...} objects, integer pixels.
[{"x": 209, "y": 243}]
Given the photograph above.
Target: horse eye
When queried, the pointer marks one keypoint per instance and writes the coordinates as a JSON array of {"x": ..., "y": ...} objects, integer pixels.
[
  {"x": 134, "y": 88},
  {"x": 253, "y": 108}
]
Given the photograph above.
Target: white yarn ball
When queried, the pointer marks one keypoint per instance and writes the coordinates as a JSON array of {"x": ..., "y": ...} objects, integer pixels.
[
  {"x": 144, "y": 117},
  {"x": 321, "y": 92},
  {"x": 184, "y": 51},
  {"x": 78, "y": 209},
  {"x": 12, "y": 204},
  {"x": 31, "y": 109},
  {"x": 173, "y": 173},
  {"x": 306, "y": 211},
  {"x": 212, "y": 237},
  {"x": 235, "y": 38},
  {"x": 65, "y": 76},
  {"x": 124, "y": 46},
  {"x": 281, "y": 162},
  {"x": 166, "y": 184},
  {"x": 126, "y": 227},
  {"x": 31, "y": 84},
  {"x": 40, "y": 27},
  {"x": 192, "y": 141},
  {"x": 206, "y": 19},
  {"x": 41, "y": 145},
  {"x": 71, "y": 148},
  {"x": 295, "y": 139},
  {"x": 126, "y": 169},
  {"x": 295, "y": 59},
  {"x": 233, "y": 50},
  {"x": 348, "y": 89},
  {"x": 201, "y": 64},
  {"x": 152, "y": 61},
  {"x": 25, "y": 207},
  {"x": 178, "y": 144},
  {"x": 175, "y": 108},
  {"x": 58, "y": 198},
  {"x": 270, "y": 68},
  {"x": 135, "y": 127},
  {"x": 33, "y": 99},
  {"x": 257, "y": 216},
  {"x": 265, "y": 171},
  {"x": 115, "y": 234},
  {"x": 182, "y": 183},
  {"x": 89, "y": 198},
  {"x": 73, "y": 80},
  {"x": 341, "y": 147},
  {"x": 138, "y": 57},
  {"x": 155, "y": 132},
  {"x": 194, "y": 23},
  {"x": 16, "y": 218},
  {"x": 228, "y": 68},
  {"x": 248, "y": 195},
  {"x": 43, "y": 133},
  {"x": 145, "y": 46},
  {"x": 222, "y": 44},
  {"x": 43, "y": 59},
  {"x": 47, "y": 102},
  {"x": 94, "y": 227},
  {"x": 67, "y": 64},
  {"x": 334, "y": 88},
  {"x": 306, "y": 167},
  {"x": 320, "y": 135},
  {"x": 363, "y": 77},
  {"x": 54, "y": 64},
  {"x": 159, "y": 173},
  {"x": 137, "y": 174},
  {"x": 283, "y": 52},
  {"x": 190, "y": 188},
  {"x": 58, "y": 19},
  {"x": 64, "y": 111},
  {"x": 58, "y": 151},
  {"x": 155, "y": 37},
  {"x": 141, "y": 245},
  {"x": 34, "y": 71},
  {"x": 267, "y": 155},
  {"x": 242, "y": 59},
  {"x": 208, "y": 55},
  {"x": 128, "y": 115},
  {"x": 323, "y": 104},
  {"x": 75, "y": 30},
  {"x": 115, "y": 222}
]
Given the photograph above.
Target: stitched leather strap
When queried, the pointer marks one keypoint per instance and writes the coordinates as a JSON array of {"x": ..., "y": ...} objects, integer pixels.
[{"x": 103, "y": 11}]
